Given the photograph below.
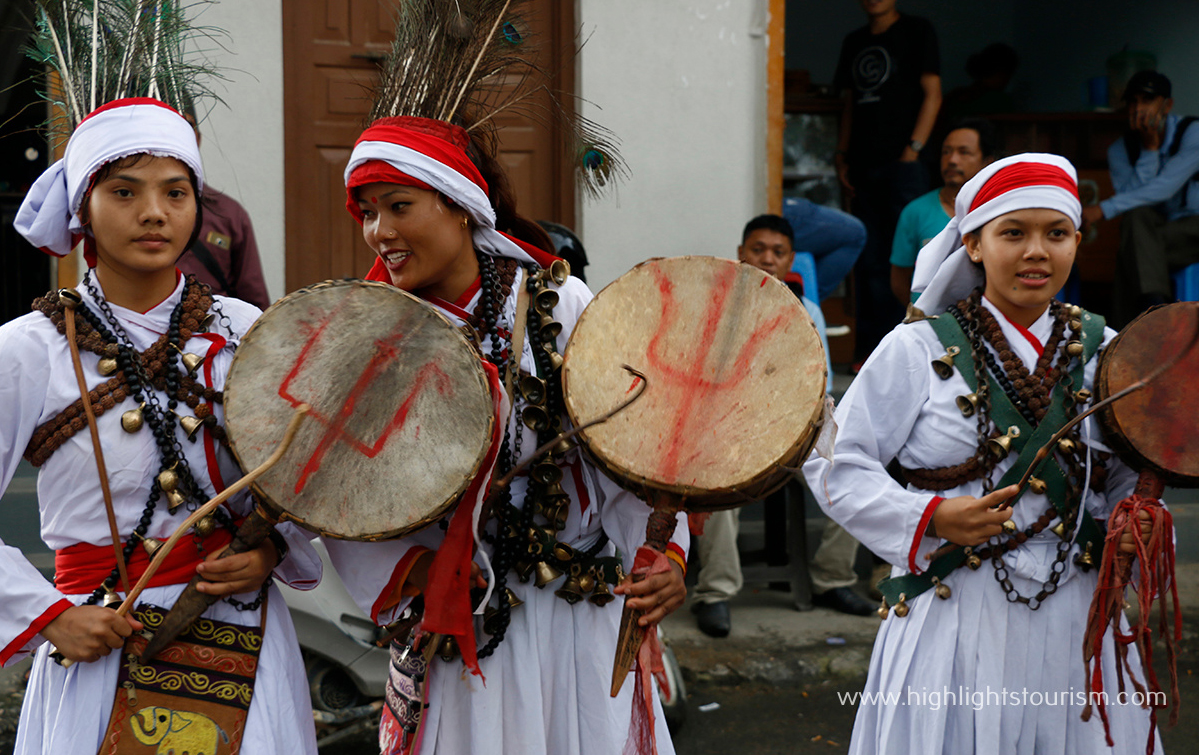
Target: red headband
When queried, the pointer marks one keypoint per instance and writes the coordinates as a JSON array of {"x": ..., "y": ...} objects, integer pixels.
[{"x": 1021, "y": 175}]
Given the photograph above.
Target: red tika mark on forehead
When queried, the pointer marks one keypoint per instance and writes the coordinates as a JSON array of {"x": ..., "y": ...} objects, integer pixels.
[{"x": 374, "y": 200}]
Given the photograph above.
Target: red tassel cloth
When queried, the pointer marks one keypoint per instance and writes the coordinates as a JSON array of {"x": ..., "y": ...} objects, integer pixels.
[
  {"x": 641, "y": 739},
  {"x": 1155, "y": 555}
]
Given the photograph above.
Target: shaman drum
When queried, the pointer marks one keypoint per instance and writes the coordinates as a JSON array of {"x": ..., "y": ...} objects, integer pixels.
[
  {"x": 401, "y": 414},
  {"x": 735, "y": 372},
  {"x": 1155, "y": 429}
]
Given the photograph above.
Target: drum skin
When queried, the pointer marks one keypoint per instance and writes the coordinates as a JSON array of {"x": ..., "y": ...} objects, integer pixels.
[
  {"x": 401, "y": 414},
  {"x": 1156, "y": 428},
  {"x": 735, "y": 371}
]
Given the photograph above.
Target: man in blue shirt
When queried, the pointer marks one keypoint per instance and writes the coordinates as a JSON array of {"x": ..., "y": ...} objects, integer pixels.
[
  {"x": 968, "y": 147},
  {"x": 1154, "y": 169}
]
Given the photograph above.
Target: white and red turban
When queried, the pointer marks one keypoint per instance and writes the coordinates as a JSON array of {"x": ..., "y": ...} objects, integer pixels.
[
  {"x": 430, "y": 155},
  {"x": 944, "y": 273},
  {"x": 49, "y": 215}
]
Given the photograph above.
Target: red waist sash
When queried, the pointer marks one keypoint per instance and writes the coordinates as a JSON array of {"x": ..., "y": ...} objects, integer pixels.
[{"x": 82, "y": 567}]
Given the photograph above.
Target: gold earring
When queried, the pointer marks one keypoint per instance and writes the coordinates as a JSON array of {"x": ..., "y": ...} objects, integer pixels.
[{"x": 465, "y": 222}]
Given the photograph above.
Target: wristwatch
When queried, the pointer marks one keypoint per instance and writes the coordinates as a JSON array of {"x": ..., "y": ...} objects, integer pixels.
[{"x": 916, "y": 145}]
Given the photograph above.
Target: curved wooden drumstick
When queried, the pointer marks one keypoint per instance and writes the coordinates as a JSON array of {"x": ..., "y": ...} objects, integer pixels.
[{"x": 161, "y": 553}]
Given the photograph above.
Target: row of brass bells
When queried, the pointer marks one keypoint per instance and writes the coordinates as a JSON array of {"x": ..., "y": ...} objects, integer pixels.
[
  {"x": 943, "y": 365},
  {"x": 558, "y": 272},
  {"x": 1002, "y": 445}
]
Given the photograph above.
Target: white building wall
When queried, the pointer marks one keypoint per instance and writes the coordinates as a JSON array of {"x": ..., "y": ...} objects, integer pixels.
[
  {"x": 242, "y": 140},
  {"x": 682, "y": 83}
]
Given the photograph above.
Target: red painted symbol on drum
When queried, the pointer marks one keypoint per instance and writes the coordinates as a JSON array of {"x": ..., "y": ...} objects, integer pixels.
[
  {"x": 700, "y": 403},
  {"x": 339, "y": 422}
]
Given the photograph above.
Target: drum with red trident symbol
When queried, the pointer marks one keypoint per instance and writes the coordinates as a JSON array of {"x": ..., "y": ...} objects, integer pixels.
[
  {"x": 735, "y": 378},
  {"x": 401, "y": 415}
]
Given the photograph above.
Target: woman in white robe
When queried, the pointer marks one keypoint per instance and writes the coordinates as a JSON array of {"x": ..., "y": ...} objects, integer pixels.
[
  {"x": 134, "y": 213},
  {"x": 545, "y": 687},
  {"x": 977, "y": 670}
]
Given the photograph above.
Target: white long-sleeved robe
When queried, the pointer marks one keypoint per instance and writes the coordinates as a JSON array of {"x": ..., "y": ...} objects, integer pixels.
[
  {"x": 546, "y": 690},
  {"x": 1000, "y": 658},
  {"x": 66, "y": 710}
]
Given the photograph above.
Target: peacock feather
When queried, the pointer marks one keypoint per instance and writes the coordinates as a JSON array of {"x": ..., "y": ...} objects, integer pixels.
[
  {"x": 97, "y": 51},
  {"x": 467, "y": 61}
]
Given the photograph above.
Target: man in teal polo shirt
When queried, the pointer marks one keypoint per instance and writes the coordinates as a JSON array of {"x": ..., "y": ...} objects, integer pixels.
[{"x": 967, "y": 148}]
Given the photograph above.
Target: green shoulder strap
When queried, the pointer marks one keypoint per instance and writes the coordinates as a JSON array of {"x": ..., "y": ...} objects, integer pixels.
[{"x": 1026, "y": 445}]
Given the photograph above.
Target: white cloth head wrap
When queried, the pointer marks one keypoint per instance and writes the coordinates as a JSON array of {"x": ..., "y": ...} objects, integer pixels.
[
  {"x": 50, "y": 212},
  {"x": 443, "y": 178},
  {"x": 944, "y": 273}
]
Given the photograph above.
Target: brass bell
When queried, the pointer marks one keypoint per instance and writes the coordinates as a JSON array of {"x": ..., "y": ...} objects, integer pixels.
[
  {"x": 491, "y": 617},
  {"x": 69, "y": 297},
  {"x": 1002, "y": 445},
  {"x": 206, "y": 526},
  {"x": 550, "y": 328},
  {"x": 1009, "y": 527},
  {"x": 570, "y": 591},
  {"x": 168, "y": 479},
  {"x": 523, "y": 569},
  {"x": 535, "y": 418},
  {"x": 1085, "y": 560},
  {"x": 942, "y": 590},
  {"x": 602, "y": 595},
  {"x": 555, "y": 494},
  {"x": 207, "y": 321},
  {"x": 545, "y": 301},
  {"x": 111, "y": 600},
  {"x": 901, "y": 608},
  {"x": 563, "y": 552},
  {"x": 1082, "y": 395},
  {"x": 511, "y": 598},
  {"x": 587, "y": 582},
  {"x": 151, "y": 546},
  {"x": 191, "y": 425},
  {"x": 533, "y": 389},
  {"x": 1037, "y": 485},
  {"x": 448, "y": 649},
  {"x": 1067, "y": 446},
  {"x": 1060, "y": 530},
  {"x": 559, "y": 271},
  {"x": 555, "y": 516},
  {"x": 556, "y": 359},
  {"x": 192, "y": 362},
  {"x": 972, "y": 560},
  {"x": 175, "y": 499},
  {"x": 547, "y": 473},
  {"x": 562, "y": 447},
  {"x": 107, "y": 366},
  {"x": 883, "y": 610},
  {"x": 545, "y": 573},
  {"x": 1074, "y": 348},
  {"x": 1075, "y": 324},
  {"x": 943, "y": 365},
  {"x": 1074, "y": 311},
  {"x": 967, "y": 404},
  {"x": 132, "y": 420}
]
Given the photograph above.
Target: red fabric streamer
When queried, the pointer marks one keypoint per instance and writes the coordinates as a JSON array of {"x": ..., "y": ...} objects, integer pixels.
[
  {"x": 642, "y": 741},
  {"x": 697, "y": 521},
  {"x": 447, "y": 593},
  {"x": 1155, "y": 555}
]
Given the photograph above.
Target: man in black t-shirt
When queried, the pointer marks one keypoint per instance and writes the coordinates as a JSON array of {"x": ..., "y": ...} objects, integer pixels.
[{"x": 889, "y": 72}]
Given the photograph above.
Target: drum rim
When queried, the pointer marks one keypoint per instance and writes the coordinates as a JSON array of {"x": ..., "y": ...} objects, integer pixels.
[
  {"x": 700, "y": 499},
  {"x": 280, "y": 513},
  {"x": 1110, "y": 424}
]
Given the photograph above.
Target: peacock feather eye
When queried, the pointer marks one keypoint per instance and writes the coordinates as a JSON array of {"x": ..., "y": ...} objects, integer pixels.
[{"x": 511, "y": 33}]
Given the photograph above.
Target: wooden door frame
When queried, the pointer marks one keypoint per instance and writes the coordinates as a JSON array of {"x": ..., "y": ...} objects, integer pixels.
[{"x": 775, "y": 119}]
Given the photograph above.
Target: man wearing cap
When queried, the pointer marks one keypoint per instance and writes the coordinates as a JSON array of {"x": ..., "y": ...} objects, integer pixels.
[{"x": 1153, "y": 170}]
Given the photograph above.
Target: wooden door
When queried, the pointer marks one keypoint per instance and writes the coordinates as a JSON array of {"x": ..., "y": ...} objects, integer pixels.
[{"x": 331, "y": 51}]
